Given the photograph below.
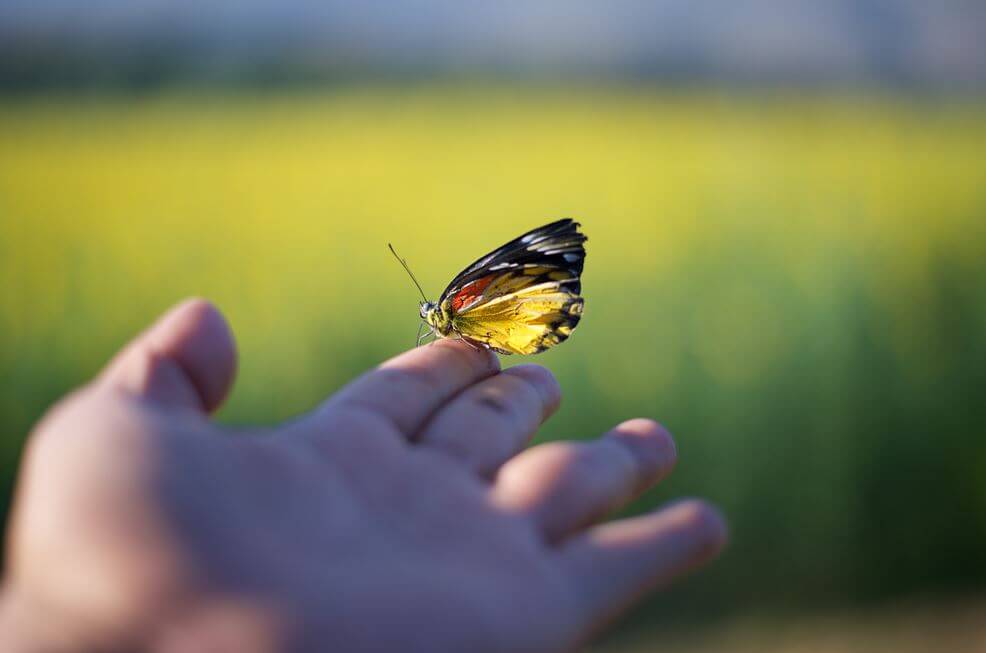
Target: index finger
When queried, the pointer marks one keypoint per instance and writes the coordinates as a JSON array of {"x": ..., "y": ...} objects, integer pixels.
[{"x": 409, "y": 388}]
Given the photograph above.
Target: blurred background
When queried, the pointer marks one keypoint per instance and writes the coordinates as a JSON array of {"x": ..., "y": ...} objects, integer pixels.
[{"x": 786, "y": 210}]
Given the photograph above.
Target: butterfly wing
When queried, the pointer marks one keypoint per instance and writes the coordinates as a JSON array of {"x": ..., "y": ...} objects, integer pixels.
[
  {"x": 558, "y": 244},
  {"x": 523, "y": 297}
]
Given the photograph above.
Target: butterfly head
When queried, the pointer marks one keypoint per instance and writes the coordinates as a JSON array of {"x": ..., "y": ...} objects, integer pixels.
[{"x": 439, "y": 320}]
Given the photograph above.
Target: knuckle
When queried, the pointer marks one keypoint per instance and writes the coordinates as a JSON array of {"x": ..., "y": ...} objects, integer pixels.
[
  {"x": 95, "y": 436},
  {"x": 512, "y": 401},
  {"x": 618, "y": 458},
  {"x": 599, "y": 472},
  {"x": 494, "y": 402}
]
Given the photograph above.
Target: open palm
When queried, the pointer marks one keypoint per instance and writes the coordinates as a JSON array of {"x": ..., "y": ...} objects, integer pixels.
[{"x": 402, "y": 514}]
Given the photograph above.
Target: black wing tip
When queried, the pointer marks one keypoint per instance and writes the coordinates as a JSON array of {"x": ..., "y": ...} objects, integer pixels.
[
  {"x": 562, "y": 222},
  {"x": 519, "y": 251},
  {"x": 558, "y": 227},
  {"x": 575, "y": 225}
]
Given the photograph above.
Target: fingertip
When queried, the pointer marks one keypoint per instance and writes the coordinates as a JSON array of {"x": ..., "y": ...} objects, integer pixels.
[
  {"x": 186, "y": 358},
  {"x": 198, "y": 336},
  {"x": 479, "y": 357},
  {"x": 191, "y": 314},
  {"x": 543, "y": 381},
  {"x": 653, "y": 447},
  {"x": 703, "y": 522},
  {"x": 644, "y": 427}
]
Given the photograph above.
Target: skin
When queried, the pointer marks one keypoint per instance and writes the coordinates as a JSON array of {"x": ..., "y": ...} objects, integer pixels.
[{"x": 404, "y": 513}]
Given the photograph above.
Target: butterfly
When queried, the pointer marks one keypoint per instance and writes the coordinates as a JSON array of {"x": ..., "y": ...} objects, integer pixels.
[{"x": 521, "y": 298}]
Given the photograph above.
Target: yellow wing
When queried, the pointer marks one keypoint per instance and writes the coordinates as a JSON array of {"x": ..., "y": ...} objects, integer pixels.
[{"x": 527, "y": 320}]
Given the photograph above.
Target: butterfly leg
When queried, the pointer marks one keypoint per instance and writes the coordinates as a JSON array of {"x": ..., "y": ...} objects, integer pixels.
[
  {"x": 478, "y": 346},
  {"x": 424, "y": 335}
]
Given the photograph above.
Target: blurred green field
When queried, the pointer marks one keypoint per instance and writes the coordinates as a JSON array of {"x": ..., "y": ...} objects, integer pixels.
[
  {"x": 795, "y": 285},
  {"x": 899, "y": 627}
]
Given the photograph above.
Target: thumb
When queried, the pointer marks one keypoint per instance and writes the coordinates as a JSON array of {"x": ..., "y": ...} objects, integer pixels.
[{"x": 186, "y": 359}]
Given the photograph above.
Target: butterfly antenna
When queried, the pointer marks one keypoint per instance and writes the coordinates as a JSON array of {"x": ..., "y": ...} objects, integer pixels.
[{"x": 408, "y": 270}]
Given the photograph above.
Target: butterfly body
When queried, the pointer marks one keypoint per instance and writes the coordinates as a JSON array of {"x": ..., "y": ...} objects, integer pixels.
[{"x": 521, "y": 298}]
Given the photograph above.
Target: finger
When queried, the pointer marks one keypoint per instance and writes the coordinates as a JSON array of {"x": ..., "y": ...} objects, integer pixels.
[
  {"x": 563, "y": 486},
  {"x": 186, "y": 359},
  {"x": 408, "y": 389},
  {"x": 612, "y": 565},
  {"x": 489, "y": 422}
]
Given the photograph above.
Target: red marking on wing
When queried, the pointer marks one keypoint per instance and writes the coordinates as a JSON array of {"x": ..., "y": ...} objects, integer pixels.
[{"x": 471, "y": 291}]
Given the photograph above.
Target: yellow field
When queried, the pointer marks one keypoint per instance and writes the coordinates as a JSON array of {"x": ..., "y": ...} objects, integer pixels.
[
  {"x": 279, "y": 209},
  {"x": 794, "y": 284}
]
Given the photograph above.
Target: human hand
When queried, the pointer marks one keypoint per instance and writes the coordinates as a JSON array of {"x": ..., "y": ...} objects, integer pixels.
[{"x": 402, "y": 514}]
